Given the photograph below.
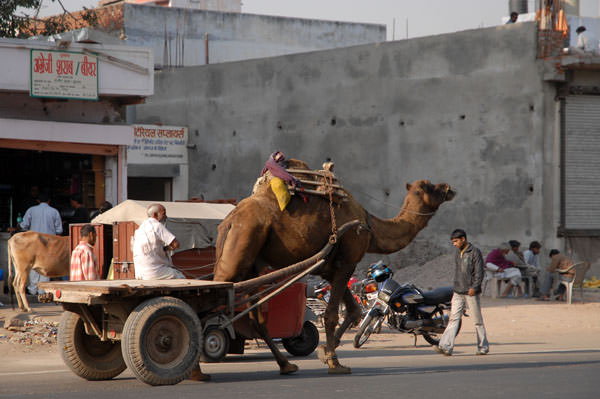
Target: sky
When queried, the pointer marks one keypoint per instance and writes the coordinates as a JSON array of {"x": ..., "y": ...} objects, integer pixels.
[{"x": 413, "y": 18}]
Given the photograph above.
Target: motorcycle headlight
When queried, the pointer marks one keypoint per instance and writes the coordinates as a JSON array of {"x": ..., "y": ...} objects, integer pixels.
[{"x": 384, "y": 297}]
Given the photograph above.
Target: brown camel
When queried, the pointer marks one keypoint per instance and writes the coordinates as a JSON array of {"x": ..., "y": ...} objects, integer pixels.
[{"x": 256, "y": 233}]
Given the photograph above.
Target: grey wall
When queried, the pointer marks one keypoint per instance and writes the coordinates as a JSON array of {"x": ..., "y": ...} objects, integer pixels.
[
  {"x": 468, "y": 108},
  {"x": 234, "y": 36}
]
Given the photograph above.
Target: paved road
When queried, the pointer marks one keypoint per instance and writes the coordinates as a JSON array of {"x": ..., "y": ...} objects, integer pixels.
[{"x": 389, "y": 366}]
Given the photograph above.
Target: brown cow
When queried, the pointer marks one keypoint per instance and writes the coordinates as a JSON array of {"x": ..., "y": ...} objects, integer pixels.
[{"x": 47, "y": 254}]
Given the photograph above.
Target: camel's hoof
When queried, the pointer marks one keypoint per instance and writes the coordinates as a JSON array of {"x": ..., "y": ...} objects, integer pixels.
[
  {"x": 288, "y": 369},
  {"x": 321, "y": 354},
  {"x": 339, "y": 369},
  {"x": 198, "y": 375}
]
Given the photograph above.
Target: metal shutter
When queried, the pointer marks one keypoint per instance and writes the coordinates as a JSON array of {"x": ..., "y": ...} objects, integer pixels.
[{"x": 582, "y": 163}]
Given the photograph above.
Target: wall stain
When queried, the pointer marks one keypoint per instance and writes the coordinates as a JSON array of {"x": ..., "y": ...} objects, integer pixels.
[
  {"x": 266, "y": 71},
  {"x": 369, "y": 121},
  {"x": 384, "y": 67},
  {"x": 501, "y": 154},
  {"x": 215, "y": 83},
  {"x": 308, "y": 73},
  {"x": 511, "y": 192}
]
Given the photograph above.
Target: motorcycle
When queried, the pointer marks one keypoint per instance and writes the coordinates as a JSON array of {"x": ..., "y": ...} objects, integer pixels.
[
  {"x": 364, "y": 292},
  {"x": 407, "y": 309}
]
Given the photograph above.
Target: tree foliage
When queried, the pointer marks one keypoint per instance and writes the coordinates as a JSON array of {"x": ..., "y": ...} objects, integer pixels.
[
  {"x": 12, "y": 24},
  {"x": 26, "y": 23}
]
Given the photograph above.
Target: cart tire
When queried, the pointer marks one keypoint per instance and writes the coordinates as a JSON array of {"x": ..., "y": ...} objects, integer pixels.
[
  {"x": 88, "y": 356},
  {"x": 305, "y": 343},
  {"x": 216, "y": 345},
  {"x": 162, "y": 341}
]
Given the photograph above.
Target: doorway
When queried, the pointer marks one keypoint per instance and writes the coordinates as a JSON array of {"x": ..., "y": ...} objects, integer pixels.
[{"x": 150, "y": 188}]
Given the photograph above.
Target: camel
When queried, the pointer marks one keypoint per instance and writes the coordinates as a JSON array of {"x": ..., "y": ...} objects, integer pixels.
[
  {"x": 256, "y": 233},
  {"x": 47, "y": 254}
]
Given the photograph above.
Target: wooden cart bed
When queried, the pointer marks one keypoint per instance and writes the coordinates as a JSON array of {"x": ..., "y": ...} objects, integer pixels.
[{"x": 91, "y": 291}]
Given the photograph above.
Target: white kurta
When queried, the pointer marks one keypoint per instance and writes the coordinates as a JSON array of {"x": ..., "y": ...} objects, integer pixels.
[{"x": 149, "y": 256}]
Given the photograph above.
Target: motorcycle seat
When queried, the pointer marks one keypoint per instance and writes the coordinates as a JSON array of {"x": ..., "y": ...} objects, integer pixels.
[{"x": 439, "y": 295}]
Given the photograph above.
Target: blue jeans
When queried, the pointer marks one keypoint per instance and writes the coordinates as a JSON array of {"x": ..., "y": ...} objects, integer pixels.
[{"x": 459, "y": 302}]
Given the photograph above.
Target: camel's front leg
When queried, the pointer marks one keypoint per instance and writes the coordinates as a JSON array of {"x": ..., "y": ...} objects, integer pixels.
[
  {"x": 260, "y": 325},
  {"x": 327, "y": 353}
]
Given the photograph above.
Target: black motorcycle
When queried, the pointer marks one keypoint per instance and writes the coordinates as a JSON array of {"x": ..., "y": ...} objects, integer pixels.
[{"x": 408, "y": 310}]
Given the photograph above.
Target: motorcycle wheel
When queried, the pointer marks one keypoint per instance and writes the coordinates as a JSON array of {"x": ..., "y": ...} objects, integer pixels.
[
  {"x": 433, "y": 338},
  {"x": 367, "y": 326}
]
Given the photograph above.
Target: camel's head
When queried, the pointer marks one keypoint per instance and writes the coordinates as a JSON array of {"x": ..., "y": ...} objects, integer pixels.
[{"x": 432, "y": 195}]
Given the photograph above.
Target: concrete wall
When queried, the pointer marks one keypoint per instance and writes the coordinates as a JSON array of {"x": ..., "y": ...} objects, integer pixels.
[
  {"x": 215, "y": 5},
  {"x": 181, "y": 34},
  {"x": 468, "y": 108}
]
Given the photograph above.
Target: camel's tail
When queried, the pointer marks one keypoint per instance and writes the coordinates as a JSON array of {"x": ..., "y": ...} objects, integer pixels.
[{"x": 11, "y": 276}]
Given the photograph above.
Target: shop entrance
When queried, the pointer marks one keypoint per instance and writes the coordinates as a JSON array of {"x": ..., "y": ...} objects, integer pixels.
[{"x": 60, "y": 175}]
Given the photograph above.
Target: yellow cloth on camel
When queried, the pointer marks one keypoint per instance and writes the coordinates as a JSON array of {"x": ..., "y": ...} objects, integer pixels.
[{"x": 281, "y": 192}]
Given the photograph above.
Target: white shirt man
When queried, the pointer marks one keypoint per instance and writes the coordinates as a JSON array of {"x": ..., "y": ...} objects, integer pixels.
[{"x": 150, "y": 243}]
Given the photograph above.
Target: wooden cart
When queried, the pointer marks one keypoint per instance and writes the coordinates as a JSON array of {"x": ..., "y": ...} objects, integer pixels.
[
  {"x": 157, "y": 327},
  {"x": 154, "y": 327}
]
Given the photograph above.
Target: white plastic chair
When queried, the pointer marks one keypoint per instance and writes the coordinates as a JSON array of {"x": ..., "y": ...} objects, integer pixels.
[{"x": 581, "y": 269}]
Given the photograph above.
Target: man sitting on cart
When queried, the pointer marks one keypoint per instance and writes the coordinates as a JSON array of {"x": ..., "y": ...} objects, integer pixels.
[{"x": 151, "y": 241}]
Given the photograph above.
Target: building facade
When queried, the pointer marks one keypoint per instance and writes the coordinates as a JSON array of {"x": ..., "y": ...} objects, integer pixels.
[
  {"x": 63, "y": 124},
  {"x": 476, "y": 109}
]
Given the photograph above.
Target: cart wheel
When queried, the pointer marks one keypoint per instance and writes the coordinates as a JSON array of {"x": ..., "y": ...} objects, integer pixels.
[
  {"x": 216, "y": 345},
  {"x": 305, "y": 343},
  {"x": 86, "y": 355},
  {"x": 162, "y": 341}
]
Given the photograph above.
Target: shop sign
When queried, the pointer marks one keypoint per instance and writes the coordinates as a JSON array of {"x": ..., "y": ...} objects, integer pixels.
[
  {"x": 63, "y": 74},
  {"x": 158, "y": 144}
]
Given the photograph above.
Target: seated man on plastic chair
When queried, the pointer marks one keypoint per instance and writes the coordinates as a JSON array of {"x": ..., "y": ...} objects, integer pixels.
[
  {"x": 528, "y": 271},
  {"x": 559, "y": 262},
  {"x": 496, "y": 261},
  {"x": 532, "y": 257}
]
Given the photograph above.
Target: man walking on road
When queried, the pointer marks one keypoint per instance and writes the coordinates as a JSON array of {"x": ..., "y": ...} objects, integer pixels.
[{"x": 468, "y": 276}]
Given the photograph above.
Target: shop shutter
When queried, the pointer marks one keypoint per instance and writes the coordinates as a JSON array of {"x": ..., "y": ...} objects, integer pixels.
[{"x": 582, "y": 163}]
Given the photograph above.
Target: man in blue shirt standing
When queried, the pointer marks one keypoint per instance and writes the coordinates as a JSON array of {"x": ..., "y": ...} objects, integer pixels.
[{"x": 41, "y": 218}]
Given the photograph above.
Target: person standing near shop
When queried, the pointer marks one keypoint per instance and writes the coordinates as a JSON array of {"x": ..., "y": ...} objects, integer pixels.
[
  {"x": 84, "y": 265},
  {"x": 468, "y": 276},
  {"x": 31, "y": 200},
  {"x": 41, "y": 218},
  {"x": 81, "y": 215}
]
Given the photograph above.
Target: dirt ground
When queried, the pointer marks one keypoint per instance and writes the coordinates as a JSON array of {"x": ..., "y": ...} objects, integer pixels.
[{"x": 512, "y": 324}]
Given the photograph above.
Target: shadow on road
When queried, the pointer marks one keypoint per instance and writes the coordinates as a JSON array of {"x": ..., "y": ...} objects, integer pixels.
[{"x": 383, "y": 371}]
